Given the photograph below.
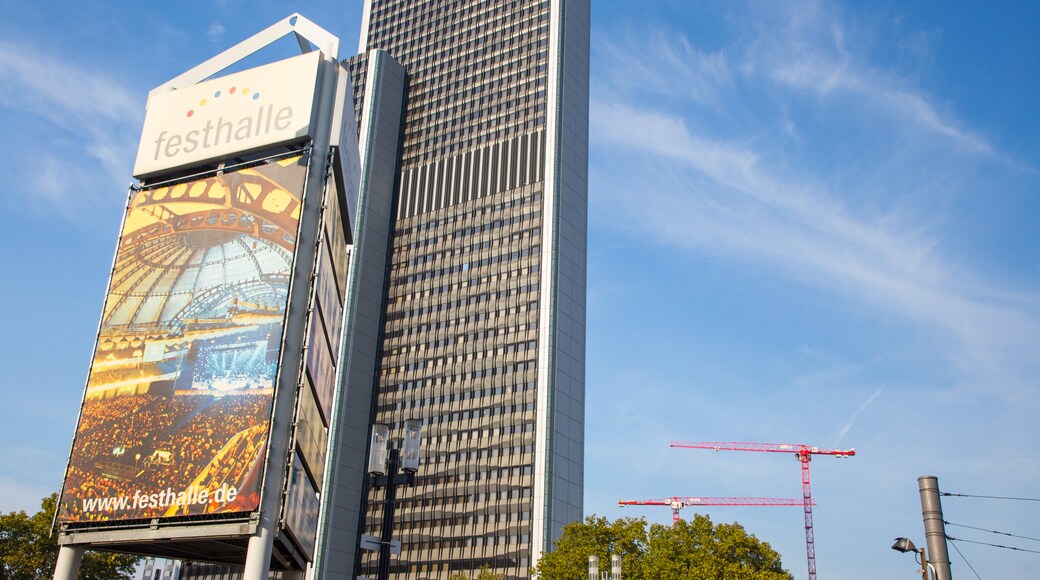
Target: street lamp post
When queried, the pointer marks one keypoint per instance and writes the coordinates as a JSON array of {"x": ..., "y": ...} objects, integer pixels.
[
  {"x": 384, "y": 463},
  {"x": 615, "y": 568},
  {"x": 904, "y": 545}
]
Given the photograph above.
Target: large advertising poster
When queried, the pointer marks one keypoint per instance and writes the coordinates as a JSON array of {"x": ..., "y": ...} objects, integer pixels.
[{"x": 178, "y": 402}]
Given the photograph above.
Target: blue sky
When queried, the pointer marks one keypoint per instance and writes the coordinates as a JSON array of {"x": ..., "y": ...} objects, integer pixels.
[{"x": 810, "y": 222}]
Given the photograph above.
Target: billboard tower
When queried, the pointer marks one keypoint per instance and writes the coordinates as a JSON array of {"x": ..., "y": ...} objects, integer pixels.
[{"x": 204, "y": 425}]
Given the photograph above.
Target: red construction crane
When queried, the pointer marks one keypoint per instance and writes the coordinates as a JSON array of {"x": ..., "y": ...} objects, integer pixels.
[
  {"x": 678, "y": 503},
  {"x": 803, "y": 453}
]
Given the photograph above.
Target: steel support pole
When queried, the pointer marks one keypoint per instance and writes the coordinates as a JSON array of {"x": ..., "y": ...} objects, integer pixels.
[
  {"x": 388, "y": 509},
  {"x": 392, "y": 466},
  {"x": 934, "y": 527},
  {"x": 69, "y": 559}
]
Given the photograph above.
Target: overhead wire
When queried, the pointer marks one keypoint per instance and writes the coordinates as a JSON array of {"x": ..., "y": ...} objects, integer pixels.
[
  {"x": 991, "y": 531},
  {"x": 947, "y": 494},
  {"x": 965, "y": 559},
  {"x": 952, "y": 539}
]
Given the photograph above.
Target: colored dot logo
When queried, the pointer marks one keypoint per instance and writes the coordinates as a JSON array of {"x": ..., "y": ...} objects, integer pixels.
[{"x": 245, "y": 92}]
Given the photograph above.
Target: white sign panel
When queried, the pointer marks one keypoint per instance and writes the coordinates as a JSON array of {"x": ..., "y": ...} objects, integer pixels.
[
  {"x": 226, "y": 116},
  {"x": 373, "y": 544}
]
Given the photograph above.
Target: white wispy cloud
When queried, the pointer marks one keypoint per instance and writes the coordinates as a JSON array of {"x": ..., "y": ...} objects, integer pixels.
[
  {"x": 706, "y": 194},
  {"x": 852, "y": 420},
  {"x": 667, "y": 64},
  {"x": 707, "y": 189},
  {"x": 215, "y": 32},
  {"x": 828, "y": 77},
  {"x": 93, "y": 121},
  {"x": 797, "y": 46},
  {"x": 707, "y": 185},
  {"x": 804, "y": 46}
]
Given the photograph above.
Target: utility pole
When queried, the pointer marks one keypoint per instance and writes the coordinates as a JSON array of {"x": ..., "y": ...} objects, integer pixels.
[{"x": 934, "y": 527}]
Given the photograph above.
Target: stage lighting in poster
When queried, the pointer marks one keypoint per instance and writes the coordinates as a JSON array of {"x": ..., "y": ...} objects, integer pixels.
[{"x": 176, "y": 413}]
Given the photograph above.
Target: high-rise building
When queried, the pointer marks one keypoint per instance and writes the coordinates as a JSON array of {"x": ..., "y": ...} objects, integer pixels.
[{"x": 483, "y": 336}]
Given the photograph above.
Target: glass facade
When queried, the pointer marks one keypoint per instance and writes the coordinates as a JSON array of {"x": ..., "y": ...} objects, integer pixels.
[{"x": 470, "y": 343}]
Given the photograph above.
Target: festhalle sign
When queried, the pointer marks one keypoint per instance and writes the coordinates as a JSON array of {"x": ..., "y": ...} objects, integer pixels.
[{"x": 227, "y": 116}]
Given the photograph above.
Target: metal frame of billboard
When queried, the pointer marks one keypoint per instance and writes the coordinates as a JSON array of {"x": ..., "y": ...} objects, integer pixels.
[{"x": 252, "y": 538}]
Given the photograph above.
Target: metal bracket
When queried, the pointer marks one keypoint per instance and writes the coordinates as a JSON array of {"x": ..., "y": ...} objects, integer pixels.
[{"x": 305, "y": 31}]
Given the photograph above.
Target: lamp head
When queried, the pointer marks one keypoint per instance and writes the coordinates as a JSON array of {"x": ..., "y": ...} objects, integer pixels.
[
  {"x": 410, "y": 445},
  {"x": 904, "y": 545},
  {"x": 378, "y": 448}
]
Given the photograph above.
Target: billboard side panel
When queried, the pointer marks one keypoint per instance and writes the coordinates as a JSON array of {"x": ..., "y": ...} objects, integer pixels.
[
  {"x": 311, "y": 433},
  {"x": 347, "y": 165},
  {"x": 176, "y": 415},
  {"x": 337, "y": 236},
  {"x": 301, "y": 509},
  {"x": 328, "y": 302},
  {"x": 319, "y": 364}
]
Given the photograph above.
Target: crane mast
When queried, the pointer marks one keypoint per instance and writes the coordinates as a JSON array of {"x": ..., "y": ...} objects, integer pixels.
[{"x": 803, "y": 453}]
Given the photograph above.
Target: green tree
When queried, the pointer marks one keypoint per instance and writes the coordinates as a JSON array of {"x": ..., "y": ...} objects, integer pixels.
[
  {"x": 699, "y": 550},
  {"x": 694, "y": 550},
  {"x": 28, "y": 551}
]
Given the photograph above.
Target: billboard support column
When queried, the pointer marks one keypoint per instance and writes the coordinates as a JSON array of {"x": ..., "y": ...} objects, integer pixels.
[
  {"x": 69, "y": 559},
  {"x": 258, "y": 554}
]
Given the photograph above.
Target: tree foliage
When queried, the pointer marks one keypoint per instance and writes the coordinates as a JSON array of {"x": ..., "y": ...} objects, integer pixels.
[
  {"x": 689, "y": 550},
  {"x": 595, "y": 536},
  {"x": 28, "y": 551}
]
